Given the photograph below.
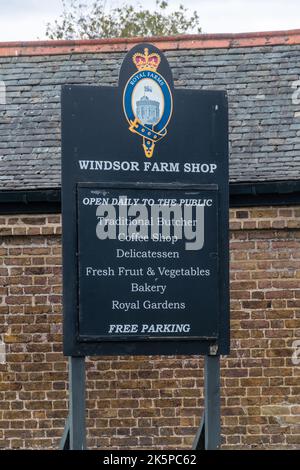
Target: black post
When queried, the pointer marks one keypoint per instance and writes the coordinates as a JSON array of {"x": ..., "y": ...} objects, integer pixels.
[
  {"x": 77, "y": 403},
  {"x": 212, "y": 402}
]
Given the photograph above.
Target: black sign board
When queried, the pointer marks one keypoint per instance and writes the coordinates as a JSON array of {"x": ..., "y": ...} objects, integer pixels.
[{"x": 145, "y": 214}]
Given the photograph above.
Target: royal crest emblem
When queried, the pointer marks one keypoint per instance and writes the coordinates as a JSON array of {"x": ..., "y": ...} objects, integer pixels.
[{"x": 147, "y": 100}]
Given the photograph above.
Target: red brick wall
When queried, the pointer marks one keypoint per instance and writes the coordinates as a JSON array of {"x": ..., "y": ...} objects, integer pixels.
[{"x": 152, "y": 401}]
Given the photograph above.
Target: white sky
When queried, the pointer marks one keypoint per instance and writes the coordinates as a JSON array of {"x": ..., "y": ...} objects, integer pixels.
[{"x": 22, "y": 20}]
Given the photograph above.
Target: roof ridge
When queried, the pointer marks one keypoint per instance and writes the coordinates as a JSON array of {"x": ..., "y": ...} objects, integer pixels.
[{"x": 184, "y": 41}]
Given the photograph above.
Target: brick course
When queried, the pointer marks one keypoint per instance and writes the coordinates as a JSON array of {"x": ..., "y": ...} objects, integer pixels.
[{"x": 152, "y": 401}]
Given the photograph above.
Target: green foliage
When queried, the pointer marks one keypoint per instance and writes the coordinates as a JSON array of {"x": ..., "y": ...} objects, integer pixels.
[{"x": 80, "y": 20}]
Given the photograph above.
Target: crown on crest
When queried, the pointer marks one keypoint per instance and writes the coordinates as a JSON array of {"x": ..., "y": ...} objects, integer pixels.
[{"x": 146, "y": 61}]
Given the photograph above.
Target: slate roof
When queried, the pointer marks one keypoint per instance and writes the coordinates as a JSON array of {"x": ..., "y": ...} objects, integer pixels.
[{"x": 260, "y": 73}]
